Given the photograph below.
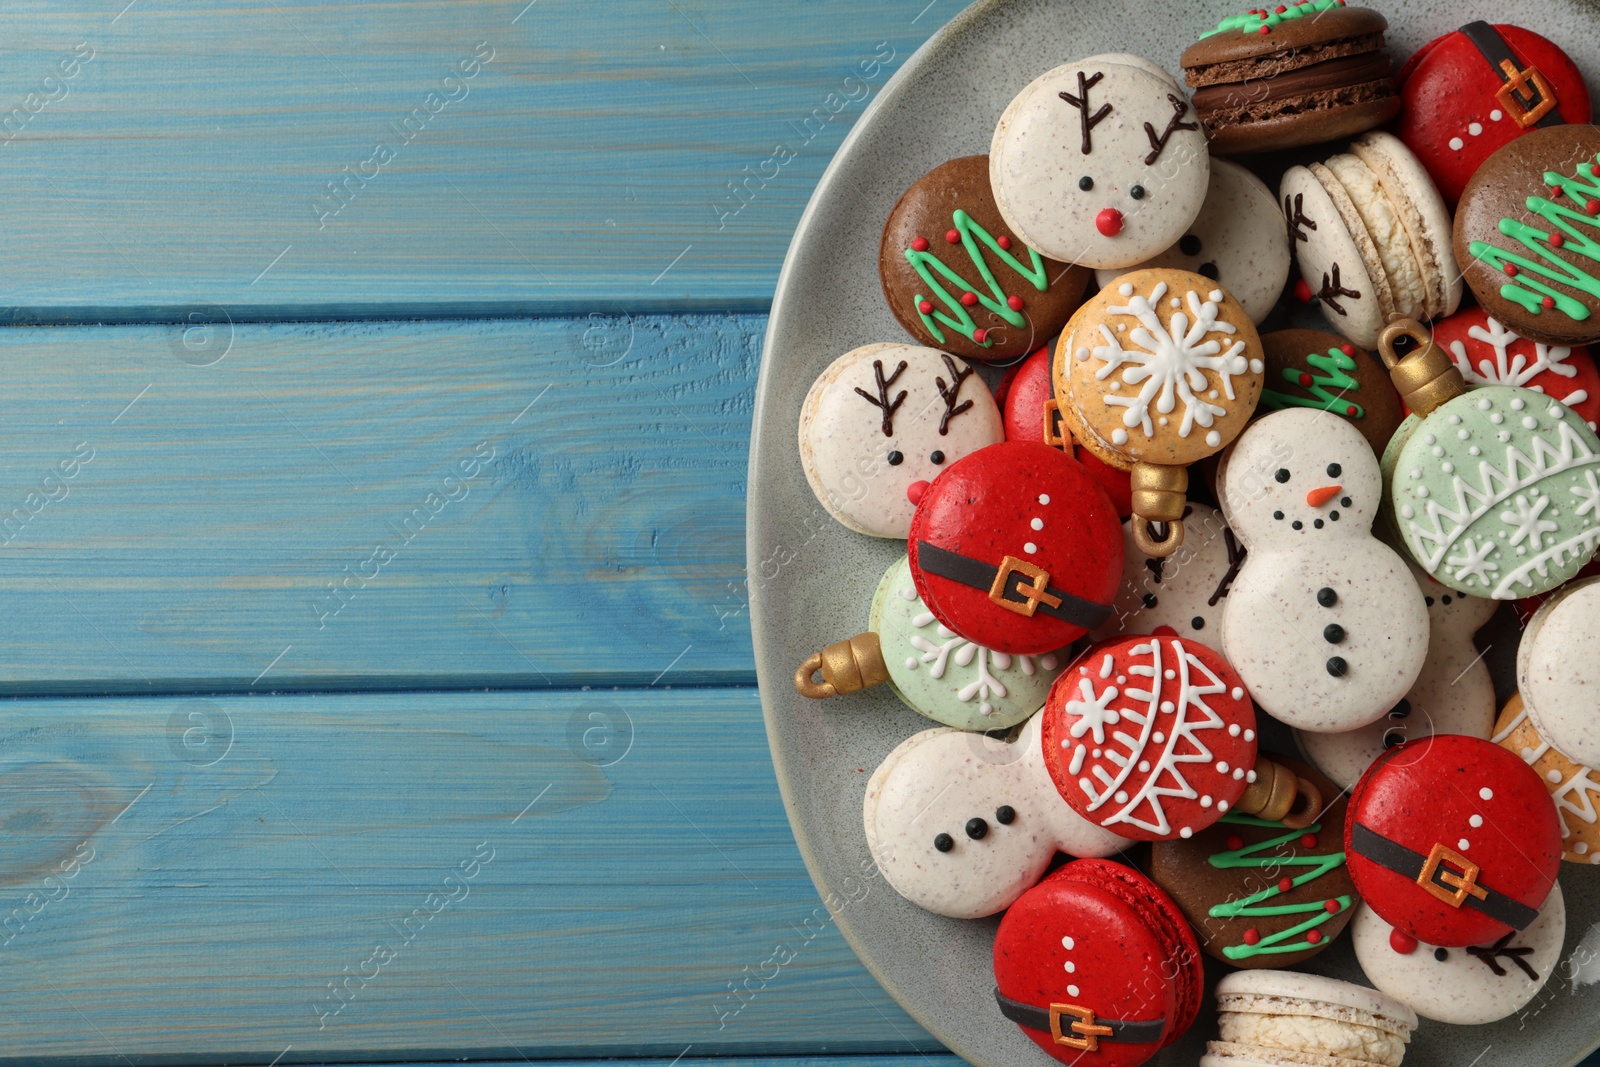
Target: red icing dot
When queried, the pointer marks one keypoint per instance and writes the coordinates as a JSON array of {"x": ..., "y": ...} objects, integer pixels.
[
  {"x": 1402, "y": 942},
  {"x": 1510, "y": 269},
  {"x": 1252, "y": 936},
  {"x": 919, "y": 244},
  {"x": 953, "y": 236},
  {"x": 1285, "y": 884},
  {"x": 1234, "y": 842},
  {"x": 1014, "y": 303},
  {"x": 1313, "y": 937},
  {"x": 1004, "y": 242},
  {"x": 1302, "y": 291},
  {"x": 1548, "y": 302},
  {"x": 1332, "y": 907},
  {"x": 1557, "y": 240},
  {"x": 980, "y": 334},
  {"x": 1280, "y": 9},
  {"x": 1348, "y": 350},
  {"x": 1350, "y": 411},
  {"x": 926, "y": 307},
  {"x": 1266, "y": 29},
  {"x": 1555, "y": 191},
  {"x": 1308, "y": 840},
  {"x": 1592, "y": 207},
  {"x": 1305, "y": 379},
  {"x": 968, "y": 299}
]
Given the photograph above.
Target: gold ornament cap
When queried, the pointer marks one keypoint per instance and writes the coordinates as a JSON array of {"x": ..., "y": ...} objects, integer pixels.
[
  {"x": 847, "y": 666},
  {"x": 1280, "y": 795},
  {"x": 1427, "y": 377},
  {"x": 1160, "y": 494}
]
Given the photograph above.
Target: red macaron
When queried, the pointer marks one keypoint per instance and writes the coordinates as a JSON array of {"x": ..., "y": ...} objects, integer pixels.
[
  {"x": 1096, "y": 964},
  {"x": 1487, "y": 353},
  {"x": 1452, "y": 840},
  {"x": 1016, "y": 548},
  {"x": 1022, "y": 395}
]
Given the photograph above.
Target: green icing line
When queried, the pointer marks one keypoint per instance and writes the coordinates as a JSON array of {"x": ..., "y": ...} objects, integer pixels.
[
  {"x": 1527, "y": 291},
  {"x": 1335, "y": 368},
  {"x": 1252, "y": 21},
  {"x": 926, "y": 263},
  {"x": 1284, "y": 941}
]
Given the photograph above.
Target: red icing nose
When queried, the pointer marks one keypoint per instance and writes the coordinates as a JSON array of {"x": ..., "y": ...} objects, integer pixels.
[
  {"x": 914, "y": 492},
  {"x": 1109, "y": 222},
  {"x": 1164, "y": 631},
  {"x": 1318, "y": 497}
]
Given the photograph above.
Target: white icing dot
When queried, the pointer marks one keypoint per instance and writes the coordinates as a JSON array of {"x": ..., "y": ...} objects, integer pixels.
[
  {"x": 1168, "y": 706},
  {"x": 1030, "y": 548},
  {"x": 1119, "y": 436},
  {"x": 1457, "y": 144},
  {"x": 1486, "y": 793},
  {"x": 1463, "y": 844},
  {"x": 1475, "y": 822},
  {"x": 1159, "y": 737},
  {"x": 1474, "y": 451},
  {"x": 1250, "y": 776},
  {"x": 1048, "y": 661},
  {"x": 1429, "y": 439},
  {"x": 1214, "y": 438},
  {"x": 1215, "y": 296},
  {"x": 1222, "y": 805},
  {"x": 1170, "y": 674},
  {"x": 1448, "y": 467},
  {"x": 1125, "y": 289},
  {"x": 1517, "y": 404},
  {"x": 1144, "y": 765},
  {"x": 1504, "y": 435},
  {"x": 1122, "y": 679},
  {"x": 1554, "y": 776},
  {"x": 1175, "y": 303},
  {"x": 1044, "y": 498},
  {"x": 1238, "y": 773},
  {"x": 1068, "y": 943},
  {"x": 1475, "y": 128},
  {"x": 1454, "y": 420},
  {"x": 1463, "y": 434},
  {"x": 1438, "y": 451},
  {"x": 1072, "y": 990},
  {"x": 1121, "y": 797},
  {"x": 1496, "y": 115},
  {"x": 1250, "y": 735},
  {"x": 986, "y": 708},
  {"x": 1554, "y": 411},
  {"x": 1205, "y": 801},
  {"x": 1408, "y": 511},
  {"x": 911, "y": 663},
  {"x": 1162, "y": 421},
  {"x": 1581, "y": 847},
  {"x": 1256, "y": 366},
  {"x": 1095, "y": 753},
  {"x": 1222, "y": 766},
  {"x": 1485, "y": 404},
  {"x": 1082, "y": 354},
  {"x": 1037, "y": 524},
  {"x": 1070, "y": 966},
  {"x": 1233, "y": 729},
  {"x": 1213, "y": 394},
  {"x": 1529, "y": 422},
  {"x": 1422, "y": 490},
  {"x": 1496, "y": 418},
  {"x": 1237, "y": 694},
  {"x": 1416, "y": 472},
  {"x": 1595, "y": 858}
]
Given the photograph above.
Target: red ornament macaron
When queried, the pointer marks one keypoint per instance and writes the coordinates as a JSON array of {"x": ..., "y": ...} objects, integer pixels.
[
  {"x": 1487, "y": 353},
  {"x": 1017, "y": 549},
  {"x": 1474, "y": 90},
  {"x": 1097, "y": 965},
  {"x": 1023, "y": 395},
  {"x": 1150, "y": 737},
  {"x": 1452, "y": 840}
]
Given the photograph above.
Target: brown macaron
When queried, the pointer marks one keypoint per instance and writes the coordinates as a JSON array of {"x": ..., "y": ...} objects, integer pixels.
[
  {"x": 1314, "y": 369},
  {"x": 1296, "y": 74},
  {"x": 957, "y": 278},
  {"x": 1260, "y": 894},
  {"x": 1525, "y": 245}
]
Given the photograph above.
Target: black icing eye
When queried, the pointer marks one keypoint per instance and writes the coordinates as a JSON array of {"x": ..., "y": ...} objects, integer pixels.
[
  {"x": 1327, "y": 597},
  {"x": 936, "y": 457},
  {"x": 1198, "y": 622},
  {"x": 977, "y": 829},
  {"x": 1400, "y": 710},
  {"x": 944, "y": 843},
  {"x": 1208, "y": 270},
  {"x": 1189, "y": 244},
  {"x": 1281, "y": 474},
  {"x": 1137, "y": 192},
  {"x": 1149, "y": 600},
  {"x": 1278, "y": 515},
  {"x": 1337, "y": 666},
  {"x": 1005, "y": 815},
  {"x": 1441, "y": 954},
  {"x": 895, "y": 459},
  {"x": 1086, "y": 183},
  {"x": 1428, "y": 600},
  {"x": 1445, "y": 599},
  {"x": 1393, "y": 738},
  {"x": 1333, "y": 633},
  {"x": 1334, "y": 470}
]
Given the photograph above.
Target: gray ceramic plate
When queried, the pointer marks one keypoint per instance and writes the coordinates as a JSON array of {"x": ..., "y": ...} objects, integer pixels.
[{"x": 810, "y": 578}]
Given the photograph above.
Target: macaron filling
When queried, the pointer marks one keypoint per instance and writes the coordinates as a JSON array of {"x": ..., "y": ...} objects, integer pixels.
[
  {"x": 1345, "y": 79},
  {"x": 1310, "y": 1033},
  {"x": 1385, "y": 224}
]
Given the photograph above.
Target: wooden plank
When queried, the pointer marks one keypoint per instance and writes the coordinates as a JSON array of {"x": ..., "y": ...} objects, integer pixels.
[
  {"x": 175, "y": 154},
  {"x": 575, "y": 874},
  {"x": 314, "y": 509}
]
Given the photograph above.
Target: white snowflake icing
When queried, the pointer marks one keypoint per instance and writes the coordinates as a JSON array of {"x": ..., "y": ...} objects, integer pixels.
[
  {"x": 1588, "y": 495},
  {"x": 1525, "y": 522},
  {"x": 1093, "y": 712},
  {"x": 1575, "y": 796},
  {"x": 1170, "y": 361},
  {"x": 1503, "y": 368},
  {"x": 951, "y": 647},
  {"x": 1476, "y": 562}
]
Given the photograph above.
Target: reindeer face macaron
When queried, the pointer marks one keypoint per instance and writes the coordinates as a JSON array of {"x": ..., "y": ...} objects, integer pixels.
[
  {"x": 1100, "y": 163},
  {"x": 881, "y": 423}
]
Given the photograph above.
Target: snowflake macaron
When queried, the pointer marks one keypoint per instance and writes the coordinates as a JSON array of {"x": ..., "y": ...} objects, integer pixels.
[{"x": 1487, "y": 353}]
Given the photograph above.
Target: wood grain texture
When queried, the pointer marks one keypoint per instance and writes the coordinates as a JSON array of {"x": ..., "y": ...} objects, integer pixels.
[
  {"x": 186, "y": 159},
  {"x": 209, "y": 509},
  {"x": 187, "y": 876}
]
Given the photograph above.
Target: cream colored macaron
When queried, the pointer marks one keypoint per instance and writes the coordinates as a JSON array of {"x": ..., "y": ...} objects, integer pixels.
[{"x": 1273, "y": 1018}]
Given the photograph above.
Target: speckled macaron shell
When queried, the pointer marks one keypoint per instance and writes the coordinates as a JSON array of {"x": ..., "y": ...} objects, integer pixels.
[
  {"x": 946, "y": 677},
  {"x": 1465, "y": 986},
  {"x": 1125, "y": 729},
  {"x": 1467, "y": 795},
  {"x": 1181, "y": 595},
  {"x": 1271, "y": 1018},
  {"x": 940, "y": 410},
  {"x": 1324, "y": 622},
  {"x": 1495, "y": 493},
  {"x": 961, "y": 824},
  {"x": 1054, "y": 175},
  {"x": 1423, "y": 216},
  {"x": 1453, "y": 695},
  {"x": 1127, "y": 364},
  {"x": 1574, "y": 787},
  {"x": 1486, "y": 353},
  {"x": 1240, "y": 240},
  {"x": 1513, "y": 275},
  {"x": 1326, "y": 372},
  {"x": 957, "y": 281},
  {"x": 1030, "y": 503},
  {"x": 1558, "y": 671},
  {"x": 1336, "y": 258}
]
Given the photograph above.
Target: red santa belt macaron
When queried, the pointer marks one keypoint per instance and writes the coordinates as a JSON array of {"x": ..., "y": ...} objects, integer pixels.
[
  {"x": 1085, "y": 1031},
  {"x": 1526, "y": 95},
  {"x": 1015, "y": 584},
  {"x": 1445, "y": 873}
]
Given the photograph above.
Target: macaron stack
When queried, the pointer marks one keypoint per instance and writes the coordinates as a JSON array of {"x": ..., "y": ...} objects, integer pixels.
[{"x": 1200, "y": 456}]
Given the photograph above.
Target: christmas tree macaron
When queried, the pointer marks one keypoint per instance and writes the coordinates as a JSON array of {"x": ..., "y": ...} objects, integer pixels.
[
  {"x": 1324, "y": 372},
  {"x": 959, "y": 281}
]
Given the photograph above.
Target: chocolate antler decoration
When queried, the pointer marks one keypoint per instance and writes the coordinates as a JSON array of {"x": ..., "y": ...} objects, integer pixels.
[
  {"x": 1180, "y": 108},
  {"x": 1297, "y": 217},
  {"x": 951, "y": 408},
  {"x": 1490, "y": 955},
  {"x": 1081, "y": 102},
  {"x": 1334, "y": 289},
  {"x": 1154, "y": 565},
  {"x": 1236, "y": 554},
  {"x": 882, "y": 401}
]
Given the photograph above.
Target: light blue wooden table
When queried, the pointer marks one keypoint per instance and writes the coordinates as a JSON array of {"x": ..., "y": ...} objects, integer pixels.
[{"x": 372, "y": 461}]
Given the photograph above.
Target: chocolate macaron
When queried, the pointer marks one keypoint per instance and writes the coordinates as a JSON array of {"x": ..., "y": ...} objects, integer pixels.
[
  {"x": 1313, "y": 369},
  {"x": 960, "y": 281},
  {"x": 1295, "y": 74}
]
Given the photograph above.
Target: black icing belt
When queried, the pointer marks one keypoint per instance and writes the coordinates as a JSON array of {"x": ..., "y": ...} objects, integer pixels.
[
  {"x": 1396, "y": 857},
  {"x": 1487, "y": 40},
  {"x": 979, "y": 575},
  {"x": 1040, "y": 1019}
]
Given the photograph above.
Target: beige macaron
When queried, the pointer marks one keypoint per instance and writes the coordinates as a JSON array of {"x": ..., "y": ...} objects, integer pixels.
[{"x": 1272, "y": 1018}]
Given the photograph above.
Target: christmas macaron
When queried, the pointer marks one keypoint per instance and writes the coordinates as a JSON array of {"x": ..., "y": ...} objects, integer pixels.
[
  {"x": 1486, "y": 353},
  {"x": 1017, "y": 548},
  {"x": 1283, "y": 1018},
  {"x": 1295, "y": 74},
  {"x": 1372, "y": 237},
  {"x": 1453, "y": 840},
  {"x": 1096, "y": 965},
  {"x": 1574, "y": 787},
  {"x": 1324, "y": 372},
  {"x": 1181, "y": 595},
  {"x": 1473, "y": 90},
  {"x": 1558, "y": 670},
  {"x": 1525, "y": 235},
  {"x": 881, "y": 422},
  {"x": 958, "y": 281}
]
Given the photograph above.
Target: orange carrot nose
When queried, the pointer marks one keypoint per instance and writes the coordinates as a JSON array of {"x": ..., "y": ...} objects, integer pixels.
[{"x": 1318, "y": 497}]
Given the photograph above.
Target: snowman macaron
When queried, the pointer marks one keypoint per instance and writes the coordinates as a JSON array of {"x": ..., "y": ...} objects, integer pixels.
[
  {"x": 1099, "y": 162},
  {"x": 880, "y": 424},
  {"x": 1181, "y": 595},
  {"x": 1324, "y": 622}
]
